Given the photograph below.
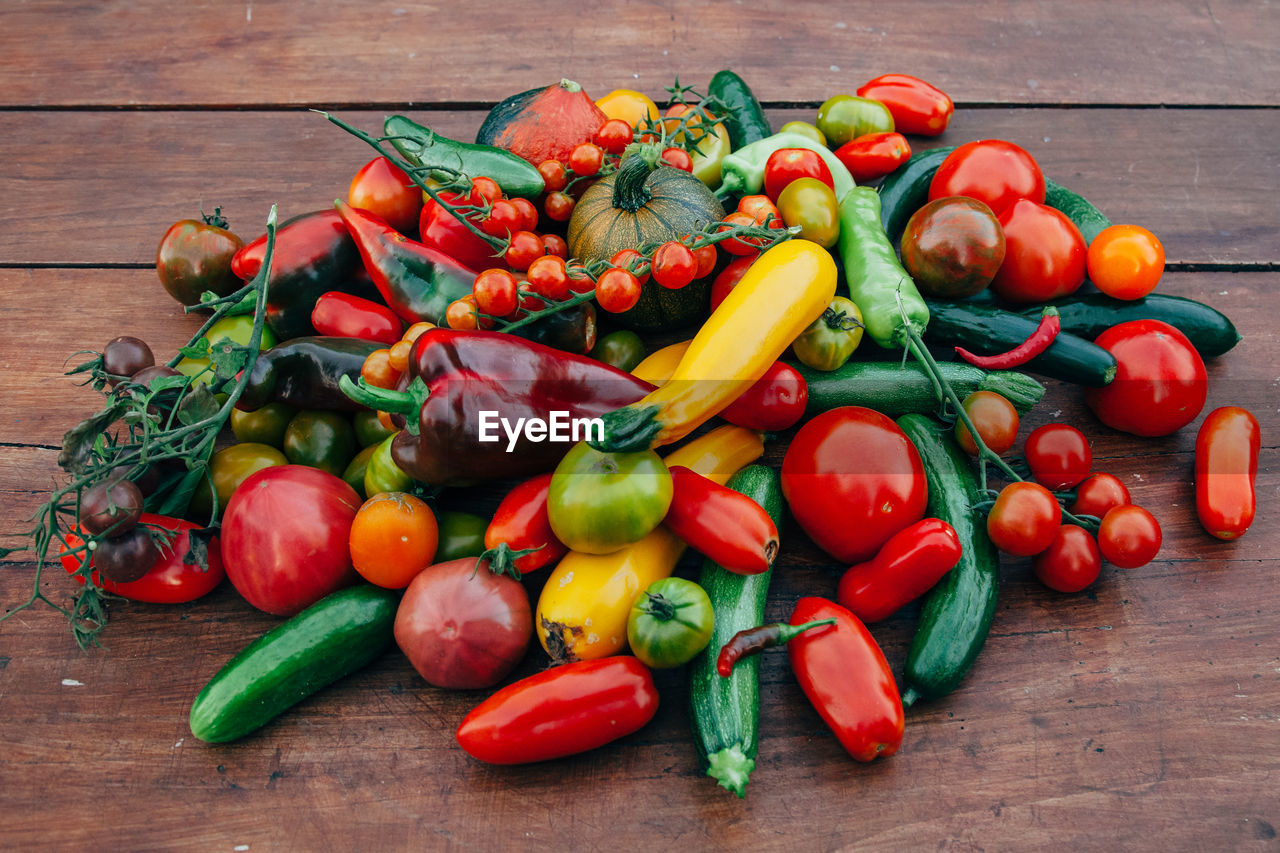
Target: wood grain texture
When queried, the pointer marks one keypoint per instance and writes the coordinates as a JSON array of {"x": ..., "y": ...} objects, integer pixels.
[
  {"x": 106, "y": 185},
  {"x": 54, "y": 52}
]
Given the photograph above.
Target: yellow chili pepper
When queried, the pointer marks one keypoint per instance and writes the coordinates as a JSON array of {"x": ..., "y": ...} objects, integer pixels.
[
  {"x": 657, "y": 367},
  {"x": 629, "y": 105},
  {"x": 709, "y": 154},
  {"x": 784, "y": 291},
  {"x": 582, "y": 611}
]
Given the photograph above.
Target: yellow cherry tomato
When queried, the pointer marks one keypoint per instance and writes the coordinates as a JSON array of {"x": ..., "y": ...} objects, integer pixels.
[{"x": 629, "y": 105}]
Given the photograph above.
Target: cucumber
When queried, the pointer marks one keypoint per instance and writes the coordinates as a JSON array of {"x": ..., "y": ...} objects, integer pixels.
[
  {"x": 332, "y": 638},
  {"x": 745, "y": 119},
  {"x": 986, "y": 330},
  {"x": 725, "y": 712},
  {"x": 893, "y": 389},
  {"x": 1077, "y": 208},
  {"x": 957, "y": 613},
  {"x": 1209, "y": 330},
  {"x": 906, "y": 189}
]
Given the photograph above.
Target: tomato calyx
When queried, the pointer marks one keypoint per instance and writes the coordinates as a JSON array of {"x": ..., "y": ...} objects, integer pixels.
[
  {"x": 216, "y": 219},
  {"x": 501, "y": 559}
]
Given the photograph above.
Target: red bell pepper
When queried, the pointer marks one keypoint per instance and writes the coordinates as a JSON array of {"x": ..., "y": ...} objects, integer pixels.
[
  {"x": 521, "y": 523},
  {"x": 561, "y": 711},
  {"x": 444, "y": 232},
  {"x": 171, "y": 580},
  {"x": 846, "y": 677},
  {"x": 917, "y": 107},
  {"x": 454, "y": 376},
  {"x": 873, "y": 155},
  {"x": 416, "y": 281},
  {"x": 906, "y": 567},
  {"x": 723, "y": 525},
  {"x": 342, "y": 315}
]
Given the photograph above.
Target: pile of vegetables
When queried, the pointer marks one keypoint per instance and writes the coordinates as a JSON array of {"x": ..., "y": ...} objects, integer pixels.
[{"x": 354, "y": 361}]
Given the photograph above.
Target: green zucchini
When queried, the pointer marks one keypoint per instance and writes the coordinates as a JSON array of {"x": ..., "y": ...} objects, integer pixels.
[
  {"x": 957, "y": 613},
  {"x": 725, "y": 712},
  {"x": 1209, "y": 330},
  {"x": 332, "y": 638},
  {"x": 422, "y": 146},
  {"x": 745, "y": 119},
  {"x": 906, "y": 189},
  {"x": 986, "y": 330},
  {"x": 895, "y": 389},
  {"x": 1077, "y": 208}
]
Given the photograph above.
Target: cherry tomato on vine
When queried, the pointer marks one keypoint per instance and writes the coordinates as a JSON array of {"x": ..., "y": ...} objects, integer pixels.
[
  {"x": 554, "y": 177},
  {"x": 399, "y": 355},
  {"x": 1125, "y": 261},
  {"x": 547, "y": 277},
  {"x": 585, "y": 159},
  {"x": 1043, "y": 254},
  {"x": 1024, "y": 520},
  {"x": 559, "y": 206},
  {"x": 393, "y": 537},
  {"x": 124, "y": 356},
  {"x": 484, "y": 190},
  {"x": 995, "y": 419},
  {"x": 674, "y": 265},
  {"x": 613, "y": 136},
  {"x": 738, "y": 245},
  {"x": 761, "y": 209},
  {"x": 495, "y": 293},
  {"x": 787, "y": 164},
  {"x": 632, "y": 261},
  {"x": 1129, "y": 536},
  {"x": 1071, "y": 562},
  {"x": 580, "y": 281},
  {"x": 991, "y": 170},
  {"x": 382, "y": 188},
  {"x": 1098, "y": 494},
  {"x": 554, "y": 244},
  {"x": 504, "y": 218},
  {"x": 617, "y": 290},
  {"x": 524, "y": 248},
  {"x": 528, "y": 213},
  {"x": 1059, "y": 456},
  {"x": 705, "y": 257},
  {"x": 377, "y": 370},
  {"x": 677, "y": 158},
  {"x": 461, "y": 314},
  {"x": 113, "y": 505},
  {"x": 729, "y": 277}
]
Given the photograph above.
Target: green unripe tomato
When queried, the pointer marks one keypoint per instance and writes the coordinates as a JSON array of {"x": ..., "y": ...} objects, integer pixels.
[
  {"x": 323, "y": 440},
  {"x": 263, "y": 426},
  {"x": 601, "y": 502},
  {"x": 461, "y": 535},
  {"x": 812, "y": 205},
  {"x": 356, "y": 468},
  {"x": 830, "y": 340},
  {"x": 383, "y": 474},
  {"x": 622, "y": 349},
  {"x": 230, "y": 467},
  {"x": 804, "y": 129},
  {"x": 237, "y": 330},
  {"x": 845, "y": 117},
  {"x": 369, "y": 430},
  {"x": 670, "y": 623}
]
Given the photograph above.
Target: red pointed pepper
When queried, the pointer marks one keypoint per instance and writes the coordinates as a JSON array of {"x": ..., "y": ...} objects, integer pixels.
[
  {"x": 727, "y": 527},
  {"x": 917, "y": 107},
  {"x": 906, "y": 567},
  {"x": 444, "y": 232},
  {"x": 416, "y": 282},
  {"x": 521, "y": 523},
  {"x": 342, "y": 315}
]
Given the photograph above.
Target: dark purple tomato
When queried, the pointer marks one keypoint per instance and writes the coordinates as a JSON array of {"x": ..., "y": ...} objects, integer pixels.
[
  {"x": 953, "y": 247},
  {"x": 112, "y": 505},
  {"x": 124, "y": 356},
  {"x": 194, "y": 256},
  {"x": 126, "y": 558}
]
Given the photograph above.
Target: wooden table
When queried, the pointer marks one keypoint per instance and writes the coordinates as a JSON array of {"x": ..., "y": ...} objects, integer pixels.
[{"x": 1144, "y": 713}]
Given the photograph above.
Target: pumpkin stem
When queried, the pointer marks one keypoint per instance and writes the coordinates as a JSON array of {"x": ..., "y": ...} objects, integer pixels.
[
  {"x": 630, "y": 188},
  {"x": 570, "y": 86}
]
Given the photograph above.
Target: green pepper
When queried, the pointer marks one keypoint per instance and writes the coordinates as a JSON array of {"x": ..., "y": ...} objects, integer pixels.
[
  {"x": 369, "y": 430},
  {"x": 811, "y": 204},
  {"x": 622, "y": 349},
  {"x": 883, "y": 291},
  {"x": 742, "y": 172},
  {"x": 263, "y": 426},
  {"x": 383, "y": 474},
  {"x": 832, "y": 338},
  {"x": 461, "y": 535},
  {"x": 237, "y": 330},
  {"x": 323, "y": 440},
  {"x": 422, "y": 146},
  {"x": 228, "y": 468},
  {"x": 844, "y": 118},
  {"x": 356, "y": 468}
]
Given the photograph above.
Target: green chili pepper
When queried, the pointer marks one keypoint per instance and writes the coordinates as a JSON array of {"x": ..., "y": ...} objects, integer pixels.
[
  {"x": 356, "y": 468},
  {"x": 742, "y": 172},
  {"x": 877, "y": 282}
]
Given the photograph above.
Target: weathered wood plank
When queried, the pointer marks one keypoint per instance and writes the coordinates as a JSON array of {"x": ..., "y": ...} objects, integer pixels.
[
  {"x": 55, "y": 52},
  {"x": 102, "y": 187}
]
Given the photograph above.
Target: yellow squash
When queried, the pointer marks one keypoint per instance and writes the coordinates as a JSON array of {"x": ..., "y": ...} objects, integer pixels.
[
  {"x": 784, "y": 291},
  {"x": 582, "y": 612},
  {"x": 658, "y": 366}
]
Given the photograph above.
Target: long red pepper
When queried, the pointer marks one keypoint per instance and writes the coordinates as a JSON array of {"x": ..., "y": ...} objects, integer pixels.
[{"x": 1036, "y": 343}]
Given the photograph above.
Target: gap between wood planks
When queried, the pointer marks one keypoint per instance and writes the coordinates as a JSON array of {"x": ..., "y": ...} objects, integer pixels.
[{"x": 462, "y": 106}]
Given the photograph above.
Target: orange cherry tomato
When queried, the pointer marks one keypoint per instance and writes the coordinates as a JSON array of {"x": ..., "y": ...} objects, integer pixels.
[
  {"x": 393, "y": 537},
  {"x": 1125, "y": 261}
]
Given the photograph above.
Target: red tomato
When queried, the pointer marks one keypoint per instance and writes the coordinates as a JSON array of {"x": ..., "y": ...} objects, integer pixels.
[
  {"x": 521, "y": 522},
  {"x": 1059, "y": 456},
  {"x": 775, "y": 402},
  {"x": 845, "y": 675},
  {"x": 496, "y": 293},
  {"x": 346, "y": 316},
  {"x": 1044, "y": 254},
  {"x": 1160, "y": 383},
  {"x": 674, "y": 265},
  {"x": 1099, "y": 493},
  {"x": 384, "y": 190},
  {"x": 463, "y": 628},
  {"x": 617, "y": 290},
  {"x": 729, "y": 277},
  {"x": 170, "y": 580},
  {"x": 1226, "y": 467},
  {"x": 787, "y": 164},
  {"x": 561, "y": 711},
  {"x": 723, "y": 525},
  {"x": 1129, "y": 537},
  {"x": 548, "y": 277},
  {"x": 284, "y": 537},
  {"x": 907, "y": 567},
  {"x": 1024, "y": 520},
  {"x": 1071, "y": 562},
  {"x": 995, "y": 419},
  {"x": 524, "y": 248},
  {"x": 990, "y": 170},
  {"x": 853, "y": 479}
]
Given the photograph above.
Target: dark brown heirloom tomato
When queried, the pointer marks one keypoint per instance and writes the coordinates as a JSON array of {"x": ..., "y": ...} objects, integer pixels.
[
  {"x": 113, "y": 505},
  {"x": 124, "y": 356},
  {"x": 195, "y": 255},
  {"x": 127, "y": 557},
  {"x": 953, "y": 247}
]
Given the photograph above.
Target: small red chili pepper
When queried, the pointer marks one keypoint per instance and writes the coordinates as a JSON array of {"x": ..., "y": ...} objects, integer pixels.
[
  {"x": 906, "y": 567},
  {"x": 755, "y": 640},
  {"x": 725, "y": 526},
  {"x": 1036, "y": 343}
]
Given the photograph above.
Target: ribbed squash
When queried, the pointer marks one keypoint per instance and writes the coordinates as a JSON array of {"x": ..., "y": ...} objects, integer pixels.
[
  {"x": 643, "y": 203},
  {"x": 544, "y": 123}
]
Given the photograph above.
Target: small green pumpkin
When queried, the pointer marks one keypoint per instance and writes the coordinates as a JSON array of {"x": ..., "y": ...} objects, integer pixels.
[{"x": 645, "y": 203}]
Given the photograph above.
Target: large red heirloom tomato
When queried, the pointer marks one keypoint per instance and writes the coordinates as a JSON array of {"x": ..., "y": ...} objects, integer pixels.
[
  {"x": 853, "y": 479},
  {"x": 284, "y": 537}
]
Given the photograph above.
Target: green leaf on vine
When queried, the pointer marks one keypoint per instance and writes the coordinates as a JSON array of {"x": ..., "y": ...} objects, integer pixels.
[
  {"x": 196, "y": 349},
  {"x": 79, "y": 442},
  {"x": 198, "y": 547},
  {"x": 197, "y": 405},
  {"x": 228, "y": 359}
]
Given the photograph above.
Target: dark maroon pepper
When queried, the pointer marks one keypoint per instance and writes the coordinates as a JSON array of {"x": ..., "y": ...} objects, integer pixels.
[
  {"x": 304, "y": 373},
  {"x": 455, "y": 375}
]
